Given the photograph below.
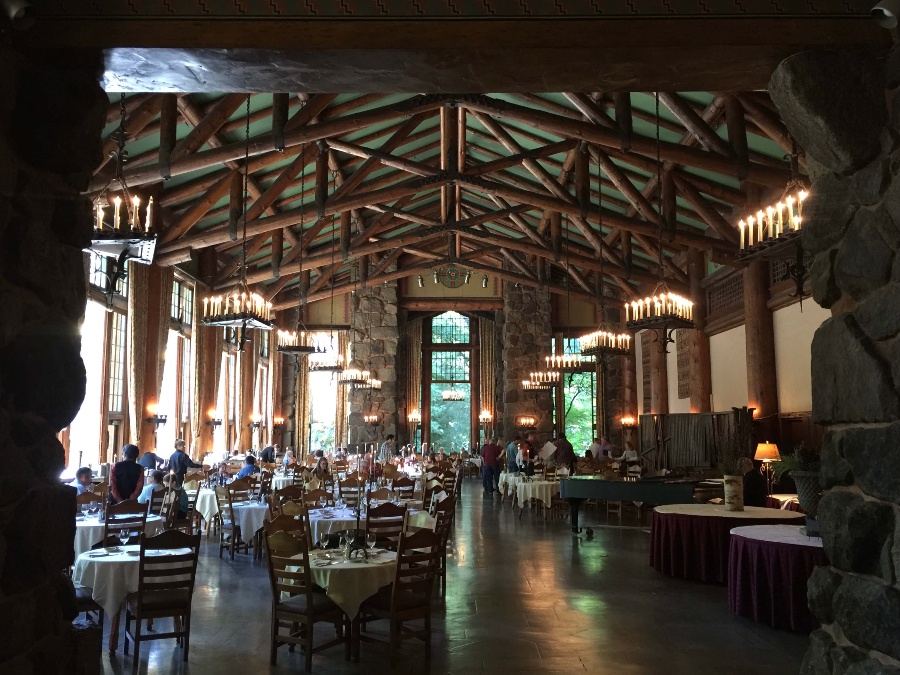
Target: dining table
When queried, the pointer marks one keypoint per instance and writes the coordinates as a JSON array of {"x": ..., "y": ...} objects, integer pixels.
[
  {"x": 691, "y": 541},
  {"x": 112, "y": 574},
  {"x": 768, "y": 570},
  {"x": 541, "y": 490},
  {"x": 89, "y": 531},
  {"x": 332, "y": 520},
  {"x": 787, "y": 501}
]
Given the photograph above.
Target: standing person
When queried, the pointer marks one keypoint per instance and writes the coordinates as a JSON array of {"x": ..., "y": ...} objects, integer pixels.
[
  {"x": 755, "y": 487},
  {"x": 126, "y": 480},
  {"x": 565, "y": 453},
  {"x": 511, "y": 449},
  {"x": 150, "y": 460},
  {"x": 490, "y": 454},
  {"x": 607, "y": 449},
  {"x": 525, "y": 457},
  {"x": 267, "y": 455},
  {"x": 179, "y": 462},
  {"x": 594, "y": 450},
  {"x": 386, "y": 451}
]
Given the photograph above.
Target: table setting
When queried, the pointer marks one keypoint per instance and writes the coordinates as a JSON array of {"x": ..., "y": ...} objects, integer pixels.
[{"x": 89, "y": 530}]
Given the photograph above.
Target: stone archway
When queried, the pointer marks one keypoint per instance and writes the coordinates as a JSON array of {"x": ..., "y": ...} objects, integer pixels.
[{"x": 836, "y": 106}]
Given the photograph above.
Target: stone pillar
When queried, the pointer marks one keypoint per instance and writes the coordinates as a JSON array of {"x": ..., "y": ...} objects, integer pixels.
[
  {"x": 834, "y": 105},
  {"x": 698, "y": 340},
  {"x": 762, "y": 382},
  {"x": 526, "y": 337},
  {"x": 51, "y": 117},
  {"x": 374, "y": 340},
  {"x": 659, "y": 380}
]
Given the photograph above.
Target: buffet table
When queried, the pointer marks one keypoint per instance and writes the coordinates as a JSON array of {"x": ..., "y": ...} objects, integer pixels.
[
  {"x": 691, "y": 541},
  {"x": 768, "y": 568}
]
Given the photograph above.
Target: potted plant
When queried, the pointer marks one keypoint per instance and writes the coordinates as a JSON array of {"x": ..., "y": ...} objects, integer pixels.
[{"x": 802, "y": 466}]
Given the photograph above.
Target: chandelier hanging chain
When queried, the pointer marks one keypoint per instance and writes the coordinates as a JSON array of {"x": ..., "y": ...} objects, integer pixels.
[
  {"x": 602, "y": 257},
  {"x": 659, "y": 195},
  {"x": 246, "y": 191}
]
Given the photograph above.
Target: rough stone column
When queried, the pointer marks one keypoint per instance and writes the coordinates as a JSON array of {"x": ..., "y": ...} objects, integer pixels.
[
  {"x": 834, "y": 105},
  {"x": 659, "y": 380},
  {"x": 51, "y": 118},
  {"x": 526, "y": 337},
  {"x": 374, "y": 340}
]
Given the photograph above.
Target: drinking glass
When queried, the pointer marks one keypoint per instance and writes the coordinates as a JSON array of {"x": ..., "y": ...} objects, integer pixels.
[
  {"x": 322, "y": 502},
  {"x": 323, "y": 540},
  {"x": 124, "y": 536},
  {"x": 339, "y": 502},
  {"x": 370, "y": 540},
  {"x": 84, "y": 509}
]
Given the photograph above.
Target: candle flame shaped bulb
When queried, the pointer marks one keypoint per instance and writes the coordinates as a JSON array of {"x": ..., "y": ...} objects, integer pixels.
[
  {"x": 118, "y": 203},
  {"x": 136, "y": 203}
]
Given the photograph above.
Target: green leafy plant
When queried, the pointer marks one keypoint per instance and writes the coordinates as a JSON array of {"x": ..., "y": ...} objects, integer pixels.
[{"x": 802, "y": 459}]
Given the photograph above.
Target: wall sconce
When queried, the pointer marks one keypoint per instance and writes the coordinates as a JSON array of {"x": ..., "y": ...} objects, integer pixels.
[
  {"x": 278, "y": 422},
  {"x": 525, "y": 421},
  {"x": 484, "y": 281},
  {"x": 628, "y": 422},
  {"x": 415, "y": 417},
  {"x": 256, "y": 422},
  {"x": 158, "y": 420},
  {"x": 371, "y": 419},
  {"x": 485, "y": 417},
  {"x": 421, "y": 282}
]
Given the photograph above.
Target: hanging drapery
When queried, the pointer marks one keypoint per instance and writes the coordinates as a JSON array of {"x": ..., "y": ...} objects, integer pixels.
[
  {"x": 413, "y": 372},
  {"x": 138, "y": 287},
  {"x": 273, "y": 408},
  {"x": 340, "y": 415},
  {"x": 302, "y": 405},
  {"x": 206, "y": 360},
  {"x": 166, "y": 281},
  {"x": 487, "y": 363},
  {"x": 246, "y": 388}
]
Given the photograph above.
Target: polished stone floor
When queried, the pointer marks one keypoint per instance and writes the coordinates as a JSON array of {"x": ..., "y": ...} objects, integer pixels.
[{"x": 523, "y": 596}]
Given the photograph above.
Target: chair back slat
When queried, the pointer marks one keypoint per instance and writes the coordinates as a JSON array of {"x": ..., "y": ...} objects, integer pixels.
[
  {"x": 155, "y": 503},
  {"x": 349, "y": 490},
  {"x": 89, "y": 498},
  {"x": 405, "y": 486},
  {"x": 289, "y": 565},
  {"x": 417, "y": 562},
  {"x": 387, "y": 522},
  {"x": 126, "y": 515},
  {"x": 313, "y": 498},
  {"x": 176, "y": 570}
]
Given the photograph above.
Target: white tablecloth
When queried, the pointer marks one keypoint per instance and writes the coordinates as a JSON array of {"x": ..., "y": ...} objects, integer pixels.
[
  {"x": 543, "y": 490},
  {"x": 718, "y": 511},
  {"x": 345, "y": 519},
  {"x": 509, "y": 481},
  {"x": 349, "y": 583},
  {"x": 779, "y": 534},
  {"x": 250, "y": 517},
  {"x": 110, "y": 577},
  {"x": 279, "y": 482},
  {"x": 475, "y": 460},
  {"x": 89, "y": 531},
  {"x": 206, "y": 504}
]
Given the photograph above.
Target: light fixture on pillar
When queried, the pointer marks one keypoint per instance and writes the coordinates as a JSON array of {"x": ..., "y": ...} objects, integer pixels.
[
  {"x": 664, "y": 311},
  {"x": 240, "y": 308},
  {"x": 255, "y": 422},
  {"x": 278, "y": 423},
  {"x": 453, "y": 394},
  {"x": 485, "y": 417},
  {"x": 767, "y": 453},
  {"x": 526, "y": 421},
  {"x": 371, "y": 419},
  {"x": 215, "y": 420},
  {"x": 774, "y": 231},
  {"x": 415, "y": 417},
  {"x": 122, "y": 235},
  {"x": 155, "y": 418},
  {"x": 628, "y": 422}
]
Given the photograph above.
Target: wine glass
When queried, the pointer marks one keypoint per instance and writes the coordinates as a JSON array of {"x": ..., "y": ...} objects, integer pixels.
[
  {"x": 322, "y": 502},
  {"x": 339, "y": 502},
  {"x": 124, "y": 536},
  {"x": 94, "y": 508},
  {"x": 323, "y": 540},
  {"x": 371, "y": 540},
  {"x": 84, "y": 510}
]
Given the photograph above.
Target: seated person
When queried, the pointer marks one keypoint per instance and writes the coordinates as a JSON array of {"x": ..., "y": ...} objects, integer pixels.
[
  {"x": 155, "y": 485},
  {"x": 249, "y": 469},
  {"x": 288, "y": 459},
  {"x": 754, "y": 483},
  {"x": 176, "y": 491},
  {"x": 322, "y": 469},
  {"x": 82, "y": 482},
  {"x": 629, "y": 455}
]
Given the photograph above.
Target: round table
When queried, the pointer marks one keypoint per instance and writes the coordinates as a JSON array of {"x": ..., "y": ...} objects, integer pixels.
[
  {"x": 279, "y": 482},
  {"x": 250, "y": 517},
  {"x": 89, "y": 531},
  {"x": 542, "y": 490},
  {"x": 691, "y": 541},
  {"x": 333, "y": 520},
  {"x": 768, "y": 568},
  {"x": 350, "y": 583},
  {"x": 206, "y": 504}
]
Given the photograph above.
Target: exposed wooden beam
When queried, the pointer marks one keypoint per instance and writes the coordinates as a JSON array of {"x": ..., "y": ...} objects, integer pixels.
[
  {"x": 696, "y": 125},
  {"x": 206, "y": 125}
]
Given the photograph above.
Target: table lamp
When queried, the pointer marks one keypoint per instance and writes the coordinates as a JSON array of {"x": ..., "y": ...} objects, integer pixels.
[{"x": 767, "y": 453}]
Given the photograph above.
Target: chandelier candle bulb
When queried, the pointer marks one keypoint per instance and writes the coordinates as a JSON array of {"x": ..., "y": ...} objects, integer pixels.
[
  {"x": 148, "y": 215},
  {"x": 118, "y": 204},
  {"x": 136, "y": 204}
]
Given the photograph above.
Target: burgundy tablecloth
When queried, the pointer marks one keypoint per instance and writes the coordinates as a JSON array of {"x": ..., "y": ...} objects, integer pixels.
[
  {"x": 788, "y": 505},
  {"x": 767, "y": 581},
  {"x": 694, "y": 547}
]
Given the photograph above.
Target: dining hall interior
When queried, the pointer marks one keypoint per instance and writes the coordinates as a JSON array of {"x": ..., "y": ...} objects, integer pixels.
[{"x": 441, "y": 337}]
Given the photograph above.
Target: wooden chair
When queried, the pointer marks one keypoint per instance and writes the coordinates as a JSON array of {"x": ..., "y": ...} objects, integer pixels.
[
  {"x": 338, "y": 467},
  {"x": 190, "y": 523},
  {"x": 265, "y": 483},
  {"x": 193, "y": 477},
  {"x": 88, "y": 498},
  {"x": 126, "y": 515},
  {"x": 381, "y": 494},
  {"x": 295, "y": 524},
  {"x": 101, "y": 489},
  {"x": 444, "y": 514},
  {"x": 387, "y": 522},
  {"x": 165, "y": 589},
  {"x": 290, "y": 575},
  {"x": 290, "y": 493},
  {"x": 313, "y": 498},
  {"x": 155, "y": 503},
  {"x": 327, "y": 483},
  {"x": 229, "y": 530},
  {"x": 404, "y": 486},
  {"x": 349, "y": 490},
  {"x": 409, "y": 598}
]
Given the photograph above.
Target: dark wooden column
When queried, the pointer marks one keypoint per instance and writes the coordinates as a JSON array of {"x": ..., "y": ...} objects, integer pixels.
[
  {"x": 698, "y": 345},
  {"x": 629, "y": 383},
  {"x": 154, "y": 353},
  {"x": 659, "y": 380},
  {"x": 762, "y": 383}
]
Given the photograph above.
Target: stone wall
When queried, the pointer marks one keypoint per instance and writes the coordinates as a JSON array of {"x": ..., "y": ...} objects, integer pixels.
[
  {"x": 374, "y": 340},
  {"x": 51, "y": 117},
  {"x": 525, "y": 331},
  {"x": 835, "y": 106}
]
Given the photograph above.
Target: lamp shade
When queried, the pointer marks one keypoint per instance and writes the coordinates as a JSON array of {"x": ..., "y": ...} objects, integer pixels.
[{"x": 767, "y": 452}]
